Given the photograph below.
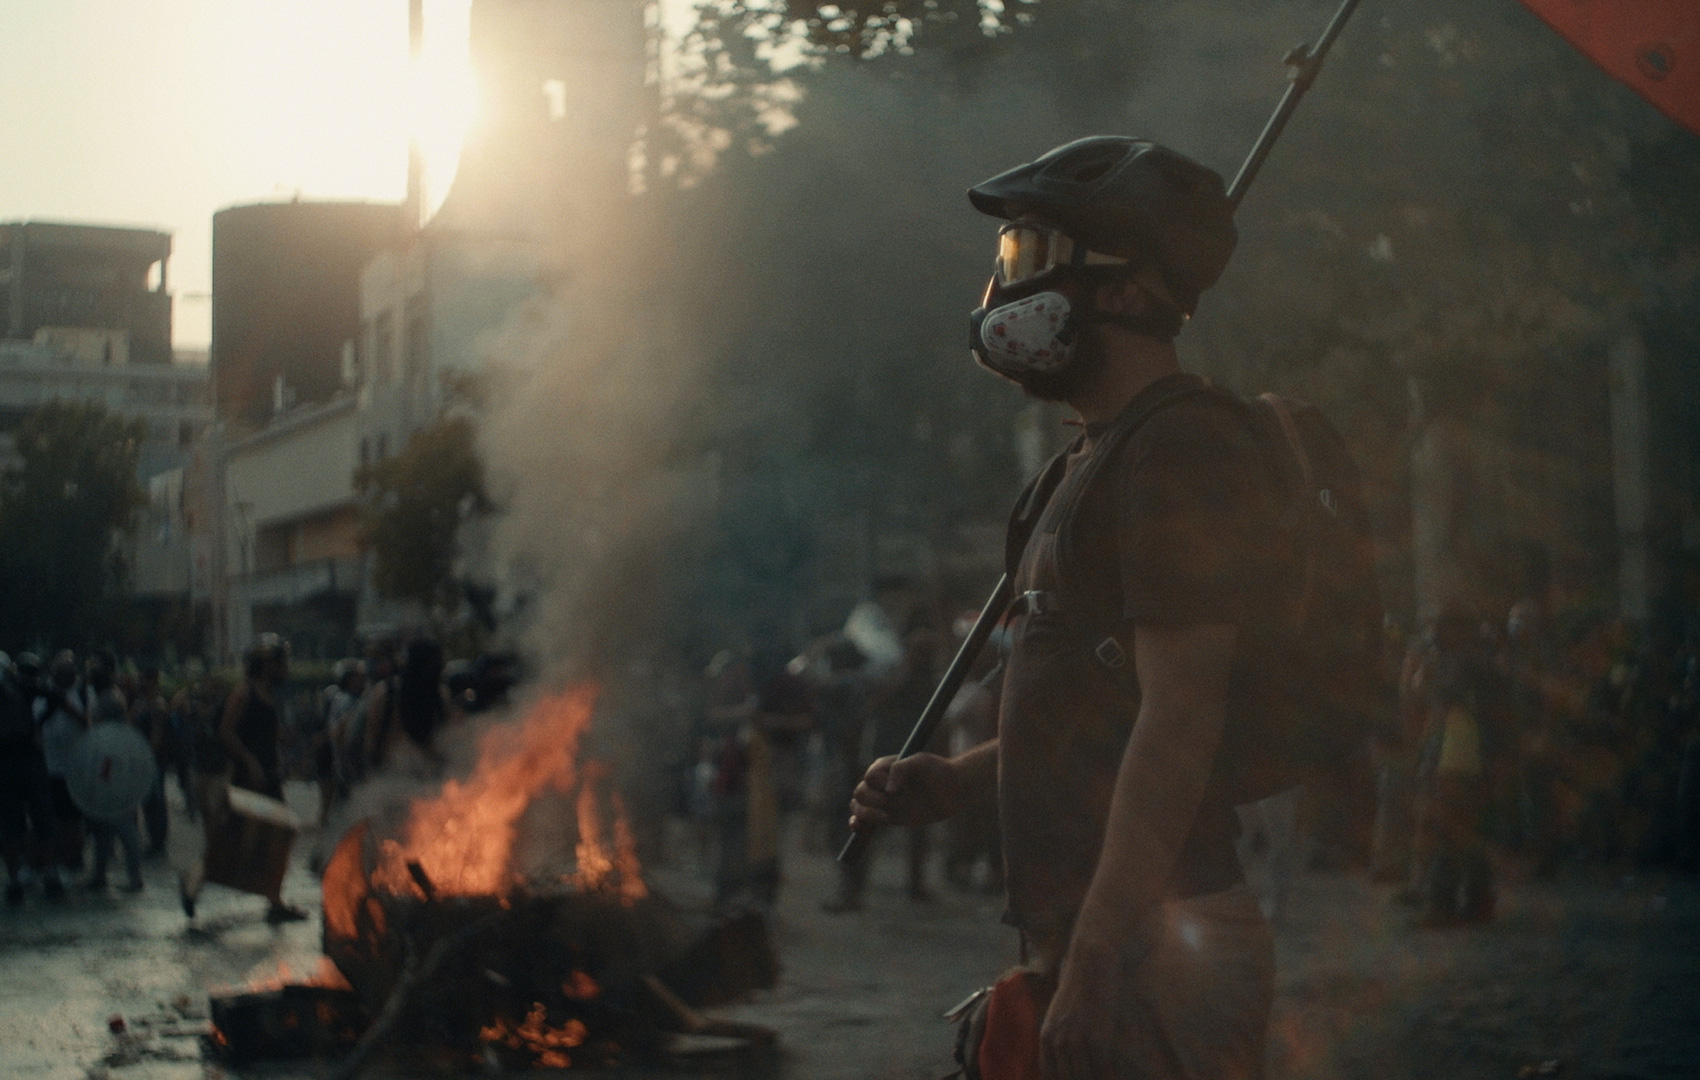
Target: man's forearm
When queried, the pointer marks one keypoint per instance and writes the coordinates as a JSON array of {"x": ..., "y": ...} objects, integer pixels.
[{"x": 977, "y": 771}]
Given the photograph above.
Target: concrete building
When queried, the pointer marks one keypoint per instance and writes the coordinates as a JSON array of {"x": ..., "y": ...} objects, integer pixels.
[
  {"x": 332, "y": 353},
  {"x": 72, "y": 364},
  {"x": 285, "y": 287},
  {"x": 290, "y": 543},
  {"x": 87, "y": 287}
]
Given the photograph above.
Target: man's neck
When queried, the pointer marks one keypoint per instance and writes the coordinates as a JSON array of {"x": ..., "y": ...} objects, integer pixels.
[{"x": 1133, "y": 363}]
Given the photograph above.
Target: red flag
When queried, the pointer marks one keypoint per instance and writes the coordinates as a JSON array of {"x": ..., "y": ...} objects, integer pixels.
[{"x": 1651, "y": 46}]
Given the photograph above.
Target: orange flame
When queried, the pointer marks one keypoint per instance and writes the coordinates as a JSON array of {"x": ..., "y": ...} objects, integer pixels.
[
  {"x": 580, "y": 987},
  {"x": 548, "y": 1044},
  {"x": 463, "y": 837}
]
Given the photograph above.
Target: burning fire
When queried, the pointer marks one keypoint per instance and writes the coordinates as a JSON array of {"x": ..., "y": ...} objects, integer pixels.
[
  {"x": 461, "y": 840},
  {"x": 549, "y": 1045}
]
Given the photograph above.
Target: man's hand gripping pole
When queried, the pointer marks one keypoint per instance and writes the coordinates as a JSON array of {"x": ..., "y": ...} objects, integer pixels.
[{"x": 933, "y": 715}]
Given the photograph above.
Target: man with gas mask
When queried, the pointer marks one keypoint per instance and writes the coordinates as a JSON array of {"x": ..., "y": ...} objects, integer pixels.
[{"x": 1144, "y": 569}]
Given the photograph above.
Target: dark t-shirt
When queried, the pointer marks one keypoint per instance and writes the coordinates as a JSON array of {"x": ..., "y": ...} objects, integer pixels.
[{"x": 1177, "y": 526}]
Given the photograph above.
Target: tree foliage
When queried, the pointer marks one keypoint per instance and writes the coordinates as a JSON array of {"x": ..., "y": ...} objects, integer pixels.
[
  {"x": 415, "y": 504},
  {"x": 64, "y": 507}
]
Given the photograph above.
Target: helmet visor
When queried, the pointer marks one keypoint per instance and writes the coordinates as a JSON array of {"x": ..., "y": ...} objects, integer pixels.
[{"x": 1027, "y": 251}]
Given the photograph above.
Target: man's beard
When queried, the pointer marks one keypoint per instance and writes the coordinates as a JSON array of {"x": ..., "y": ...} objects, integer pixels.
[{"x": 1060, "y": 383}]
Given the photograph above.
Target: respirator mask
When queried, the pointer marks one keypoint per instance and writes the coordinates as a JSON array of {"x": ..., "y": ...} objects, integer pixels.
[{"x": 1022, "y": 330}]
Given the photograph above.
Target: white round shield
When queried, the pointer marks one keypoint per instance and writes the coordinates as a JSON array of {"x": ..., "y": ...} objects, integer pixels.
[{"x": 111, "y": 770}]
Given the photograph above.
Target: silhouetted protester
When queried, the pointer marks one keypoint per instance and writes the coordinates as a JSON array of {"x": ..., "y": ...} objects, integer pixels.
[
  {"x": 253, "y": 722},
  {"x": 971, "y": 721},
  {"x": 837, "y": 673},
  {"x": 730, "y": 709},
  {"x": 107, "y": 706},
  {"x": 899, "y": 693},
  {"x": 1464, "y": 755},
  {"x": 343, "y": 727},
  {"x": 783, "y": 717},
  {"x": 1529, "y": 664},
  {"x": 249, "y": 732},
  {"x": 26, "y": 808},
  {"x": 152, "y": 717},
  {"x": 63, "y": 711},
  {"x": 1391, "y": 853},
  {"x": 405, "y": 713},
  {"x": 1147, "y": 594}
]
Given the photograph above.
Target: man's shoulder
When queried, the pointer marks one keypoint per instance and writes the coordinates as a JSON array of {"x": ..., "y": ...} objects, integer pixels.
[{"x": 1210, "y": 431}]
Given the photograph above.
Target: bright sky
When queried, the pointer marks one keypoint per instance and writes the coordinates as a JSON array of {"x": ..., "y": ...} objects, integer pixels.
[{"x": 158, "y": 112}]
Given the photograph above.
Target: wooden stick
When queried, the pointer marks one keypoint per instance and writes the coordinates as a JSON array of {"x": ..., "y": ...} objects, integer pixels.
[{"x": 414, "y": 973}]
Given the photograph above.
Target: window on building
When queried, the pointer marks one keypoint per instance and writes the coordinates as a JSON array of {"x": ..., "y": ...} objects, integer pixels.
[
  {"x": 383, "y": 347},
  {"x": 417, "y": 340},
  {"x": 185, "y": 433},
  {"x": 555, "y": 97},
  {"x": 271, "y": 548}
]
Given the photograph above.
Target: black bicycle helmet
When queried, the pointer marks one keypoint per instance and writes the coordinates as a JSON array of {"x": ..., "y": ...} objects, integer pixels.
[{"x": 1128, "y": 197}]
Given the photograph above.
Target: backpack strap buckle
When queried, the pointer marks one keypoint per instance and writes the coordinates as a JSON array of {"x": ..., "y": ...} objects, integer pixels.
[{"x": 1111, "y": 654}]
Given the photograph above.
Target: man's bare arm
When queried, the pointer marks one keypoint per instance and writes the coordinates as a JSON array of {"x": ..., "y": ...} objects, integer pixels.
[{"x": 1183, "y": 679}]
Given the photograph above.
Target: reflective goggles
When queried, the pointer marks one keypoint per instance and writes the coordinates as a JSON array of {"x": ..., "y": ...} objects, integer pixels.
[{"x": 1026, "y": 251}]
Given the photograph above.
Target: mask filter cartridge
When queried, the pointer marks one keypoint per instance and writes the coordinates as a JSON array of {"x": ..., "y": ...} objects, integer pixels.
[{"x": 1032, "y": 335}]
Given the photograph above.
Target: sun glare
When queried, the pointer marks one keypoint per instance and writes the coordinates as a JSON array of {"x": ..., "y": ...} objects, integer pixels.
[
  {"x": 443, "y": 102},
  {"x": 321, "y": 99}
]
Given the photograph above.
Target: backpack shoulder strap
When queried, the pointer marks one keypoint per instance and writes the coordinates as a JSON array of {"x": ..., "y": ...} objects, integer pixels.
[
  {"x": 1102, "y": 639},
  {"x": 1028, "y": 508},
  {"x": 1037, "y": 495}
]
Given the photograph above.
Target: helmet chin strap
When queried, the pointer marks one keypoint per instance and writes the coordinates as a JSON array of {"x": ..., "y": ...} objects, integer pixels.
[
  {"x": 1158, "y": 317},
  {"x": 1158, "y": 321}
]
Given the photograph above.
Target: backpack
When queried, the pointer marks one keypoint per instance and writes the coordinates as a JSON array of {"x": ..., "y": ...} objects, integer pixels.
[{"x": 1329, "y": 685}]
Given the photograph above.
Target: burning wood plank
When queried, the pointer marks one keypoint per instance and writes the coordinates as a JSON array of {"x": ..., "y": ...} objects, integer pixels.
[{"x": 450, "y": 948}]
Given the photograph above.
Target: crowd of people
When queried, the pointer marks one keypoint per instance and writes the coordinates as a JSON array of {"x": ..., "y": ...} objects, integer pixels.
[
  {"x": 1578, "y": 741},
  {"x": 1554, "y": 740},
  {"x": 206, "y": 733},
  {"x": 782, "y": 731},
  {"x": 1550, "y": 741}
]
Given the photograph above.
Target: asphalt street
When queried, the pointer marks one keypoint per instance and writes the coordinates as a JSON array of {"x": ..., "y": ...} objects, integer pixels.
[{"x": 1598, "y": 973}]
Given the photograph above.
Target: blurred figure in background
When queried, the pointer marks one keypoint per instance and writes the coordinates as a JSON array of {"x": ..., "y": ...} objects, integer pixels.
[
  {"x": 62, "y": 710},
  {"x": 26, "y": 809},
  {"x": 250, "y": 732},
  {"x": 1529, "y": 664},
  {"x": 970, "y": 721},
  {"x": 899, "y": 692},
  {"x": 252, "y": 724},
  {"x": 150, "y": 715},
  {"x": 1463, "y": 759},
  {"x": 107, "y": 706},
  {"x": 405, "y": 712},
  {"x": 344, "y": 727},
  {"x": 730, "y": 709},
  {"x": 838, "y": 675}
]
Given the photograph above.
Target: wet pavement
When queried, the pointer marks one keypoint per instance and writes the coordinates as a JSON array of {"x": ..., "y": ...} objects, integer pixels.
[{"x": 1599, "y": 972}]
